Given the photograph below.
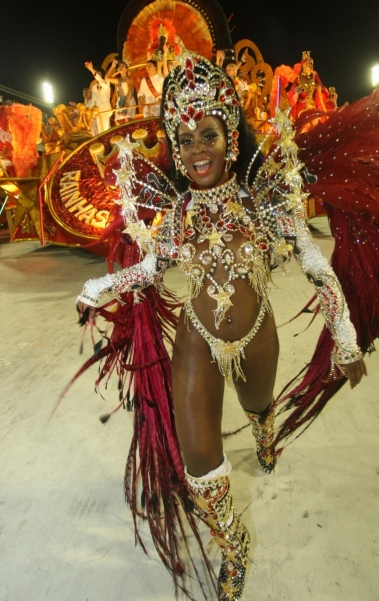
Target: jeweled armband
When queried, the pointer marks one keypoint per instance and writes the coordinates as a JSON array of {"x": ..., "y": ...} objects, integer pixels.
[
  {"x": 329, "y": 293},
  {"x": 101, "y": 290}
]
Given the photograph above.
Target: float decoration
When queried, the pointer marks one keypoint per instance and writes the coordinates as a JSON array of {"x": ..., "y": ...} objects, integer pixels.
[{"x": 69, "y": 196}]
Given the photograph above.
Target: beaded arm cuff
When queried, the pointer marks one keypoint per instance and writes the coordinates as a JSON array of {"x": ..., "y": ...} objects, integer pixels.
[
  {"x": 99, "y": 291},
  {"x": 329, "y": 292}
]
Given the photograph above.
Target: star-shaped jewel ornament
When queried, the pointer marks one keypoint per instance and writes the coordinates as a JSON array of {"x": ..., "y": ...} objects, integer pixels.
[
  {"x": 233, "y": 208},
  {"x": 222, "y": 297},
  {"x": 140, "y": 233},
  {"x": 215, "y": 238},
  {"x": 122, "y": 175},
  {"x": 126, "y": 147}
]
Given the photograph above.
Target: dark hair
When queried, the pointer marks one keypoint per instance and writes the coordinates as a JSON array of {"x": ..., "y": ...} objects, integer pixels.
[
  {"x": 152, "y": 62},
  {"x": 247, "y": 145},
  {"x": 100, "y": 70}
]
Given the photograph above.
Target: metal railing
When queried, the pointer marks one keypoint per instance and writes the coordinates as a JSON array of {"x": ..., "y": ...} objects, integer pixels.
[
  {"x": 24, "y": 96},
  {"x": 138, "y": 107}
]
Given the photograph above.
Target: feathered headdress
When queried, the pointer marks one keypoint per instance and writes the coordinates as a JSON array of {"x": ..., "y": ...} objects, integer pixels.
[{"x": 159, "y": 27}]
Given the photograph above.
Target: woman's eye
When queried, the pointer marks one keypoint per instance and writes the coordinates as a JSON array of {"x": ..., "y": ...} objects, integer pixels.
[
  {"x": 185, "y": 141},
  {"x": 210, "y": 137}
]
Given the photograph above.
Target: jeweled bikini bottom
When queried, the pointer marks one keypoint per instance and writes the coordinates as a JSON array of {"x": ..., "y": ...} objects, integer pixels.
[{"x": 227, "y": 354}]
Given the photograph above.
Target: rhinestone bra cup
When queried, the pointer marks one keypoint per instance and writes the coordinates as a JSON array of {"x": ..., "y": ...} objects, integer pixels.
[{"x": 231, "y": 217}]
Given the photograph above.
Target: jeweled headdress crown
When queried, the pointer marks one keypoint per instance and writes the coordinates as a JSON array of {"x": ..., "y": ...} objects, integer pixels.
[
  {"x": 162, "y": 31},
  {"x": 196, "y": 89}
]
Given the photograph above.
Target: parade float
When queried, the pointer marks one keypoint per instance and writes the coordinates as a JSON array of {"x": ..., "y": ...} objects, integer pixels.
[{"x": 66, "y": 196}]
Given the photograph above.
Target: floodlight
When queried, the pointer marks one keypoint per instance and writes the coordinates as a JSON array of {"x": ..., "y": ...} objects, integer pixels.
[
  {"x": 375, "y": 76},
  {"x": 48, "y": 92}
]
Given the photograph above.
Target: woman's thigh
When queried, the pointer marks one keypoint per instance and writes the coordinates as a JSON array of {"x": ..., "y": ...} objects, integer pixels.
[
  {"x": 198, "y": 389},
  {"x": 259, "y": 368}
]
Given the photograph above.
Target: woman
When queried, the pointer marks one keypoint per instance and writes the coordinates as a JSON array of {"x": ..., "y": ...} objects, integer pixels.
[
  {"x": 231, "y": 220},
  {"x": 126, "y": 93}
]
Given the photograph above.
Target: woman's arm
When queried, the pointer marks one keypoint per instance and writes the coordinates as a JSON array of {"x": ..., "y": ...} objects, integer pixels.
[
  {"x": 111, "y": 74},
  {"x": 111, "y": 69},
  {"x": 347, "y": 354},
  {"x": 99, "y": 291}
]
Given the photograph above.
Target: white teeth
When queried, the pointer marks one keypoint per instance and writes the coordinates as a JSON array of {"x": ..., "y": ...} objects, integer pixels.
[{"x": 199, "y": 163}]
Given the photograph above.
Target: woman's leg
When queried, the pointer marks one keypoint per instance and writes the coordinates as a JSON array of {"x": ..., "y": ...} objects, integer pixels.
[
  {"x": 260, "y": 365},
  {"x": 256, "y": 394},
  {"x": 198, "y": 389}
]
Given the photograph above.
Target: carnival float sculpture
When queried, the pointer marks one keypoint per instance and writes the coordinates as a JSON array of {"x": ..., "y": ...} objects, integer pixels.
[
  {"x": 63, "y": 196},
  {"x": 67, "y": 199}
]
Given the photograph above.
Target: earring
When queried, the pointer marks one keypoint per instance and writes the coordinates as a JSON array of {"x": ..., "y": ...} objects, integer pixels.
[
  {"x": 228, "y": 164},
  {"x": 184, "y": 172},
  {"x": 230, "y": 158},
  {"x": 179, "y": 167}
]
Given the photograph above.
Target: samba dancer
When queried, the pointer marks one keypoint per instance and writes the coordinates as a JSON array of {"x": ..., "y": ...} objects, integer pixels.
[{"x": 232, "y": 219}]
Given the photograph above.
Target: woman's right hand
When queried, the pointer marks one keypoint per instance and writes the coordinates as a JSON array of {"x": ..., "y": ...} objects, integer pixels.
[
  {"x": 82, "y": 308},
  {"x": 355, "y": 371}
]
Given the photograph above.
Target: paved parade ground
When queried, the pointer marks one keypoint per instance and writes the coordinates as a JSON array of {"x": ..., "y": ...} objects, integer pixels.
[{"x": 65, "y": 531}]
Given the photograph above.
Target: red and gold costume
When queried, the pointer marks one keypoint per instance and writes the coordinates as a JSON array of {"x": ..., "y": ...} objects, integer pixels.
[
  {"x": 307, "y": 92},
  {"x": 271, "y": 232}
]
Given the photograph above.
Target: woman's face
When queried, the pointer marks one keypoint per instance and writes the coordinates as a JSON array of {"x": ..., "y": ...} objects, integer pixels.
[{"x": 203, "y": 152}]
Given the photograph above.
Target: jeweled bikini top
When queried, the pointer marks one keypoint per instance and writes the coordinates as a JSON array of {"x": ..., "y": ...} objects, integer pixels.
[{"x": 233, "y": 216}]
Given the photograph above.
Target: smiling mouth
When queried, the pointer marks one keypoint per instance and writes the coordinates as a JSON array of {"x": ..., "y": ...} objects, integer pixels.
[{"x": 202, "y": 167}]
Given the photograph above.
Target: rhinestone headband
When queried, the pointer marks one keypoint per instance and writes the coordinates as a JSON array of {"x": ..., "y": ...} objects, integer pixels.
[{"x": 196, "y": 89}]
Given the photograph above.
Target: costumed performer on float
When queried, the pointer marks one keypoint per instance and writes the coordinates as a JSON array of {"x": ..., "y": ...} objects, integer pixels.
[
  {"x": 126, "y": 93},
  {"x": 231, "y": 219},
  {"x": 306, "y": 92},
  {"x": 101, "y": 94},
  {"x": 150, "y": 90}
]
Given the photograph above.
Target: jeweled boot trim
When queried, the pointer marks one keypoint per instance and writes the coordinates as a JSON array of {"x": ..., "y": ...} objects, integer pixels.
[
  {"x": 264, "y": 436},
  {"x": 214, "y": 506}
]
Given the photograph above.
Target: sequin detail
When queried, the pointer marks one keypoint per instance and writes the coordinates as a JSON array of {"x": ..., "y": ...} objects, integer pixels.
[{"x": 214, "y": 506}]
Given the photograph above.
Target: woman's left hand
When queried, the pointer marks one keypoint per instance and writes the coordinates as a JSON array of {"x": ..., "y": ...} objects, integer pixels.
[
  {"x": 355, "y": 371},
  {"x": 84, "y": 317}
]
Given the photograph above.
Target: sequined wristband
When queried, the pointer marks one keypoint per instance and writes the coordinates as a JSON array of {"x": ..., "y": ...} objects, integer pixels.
[
  {"x": 88, "y": 300},
  {"x": 97, "y": 291},
  {"x": 341, "y": 358}
]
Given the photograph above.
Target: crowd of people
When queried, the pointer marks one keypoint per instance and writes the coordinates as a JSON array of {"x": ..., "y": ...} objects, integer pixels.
[{"x": 120, "y": 100}]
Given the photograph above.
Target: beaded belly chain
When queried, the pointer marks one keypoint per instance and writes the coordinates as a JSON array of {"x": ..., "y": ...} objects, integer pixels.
[{"x": 252, "y": 264}]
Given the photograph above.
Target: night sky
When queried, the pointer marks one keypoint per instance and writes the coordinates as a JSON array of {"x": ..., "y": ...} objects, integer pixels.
[{"x": 50, "y": 41}]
